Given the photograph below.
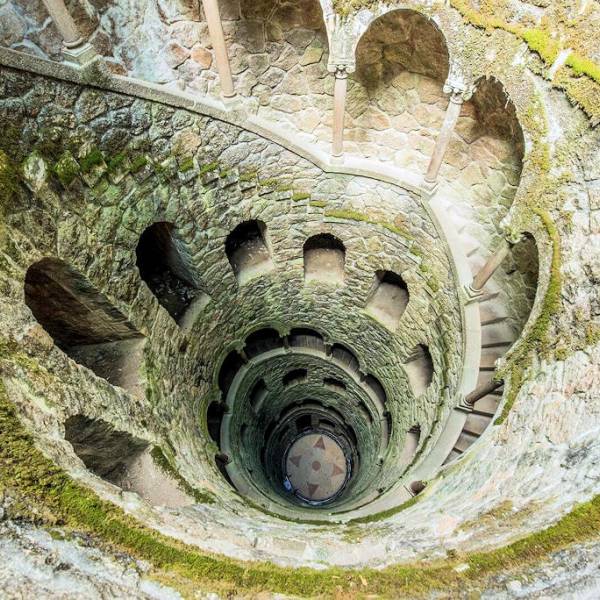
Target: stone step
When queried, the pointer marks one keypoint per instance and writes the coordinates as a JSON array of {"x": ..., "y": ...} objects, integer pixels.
[
  {"x": 489, "y": 356},
  {"x": 454, "y": 454},
  {"x": 470, "y": 245},
  {"x": 465, "y": 440},
  {"x": 488, "y": 404},
  {"x": 476, "y": 424},
  {"x": 492, "y": 311},
  {"x": 497, "y": 333}
]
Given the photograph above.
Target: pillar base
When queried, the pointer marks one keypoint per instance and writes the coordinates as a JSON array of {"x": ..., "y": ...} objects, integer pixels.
[
  {"x": 80, "y": 55},
  {"x": 464, "y": 406},
  {"x": 233, "y": 102},
  {"x": 471, "y": 294},
  {"x": 428, "y": 189},
  {"x": 337, "y": 159}
]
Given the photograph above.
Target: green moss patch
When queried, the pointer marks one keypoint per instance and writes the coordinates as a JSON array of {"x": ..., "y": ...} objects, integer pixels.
[
  {"x": 93, "y": 159},
  {"x": 66, "y": 169},
  {"x": 536, "y": 342},
  {"x": 354, "y": 215},
  {"x": 45, "y": 493},
  {"x": 138, "y": 163},
  {"x": 159, "y": 458}
]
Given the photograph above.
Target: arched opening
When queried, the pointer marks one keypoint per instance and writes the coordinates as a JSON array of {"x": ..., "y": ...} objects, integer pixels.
[
  {"x": 411, "y": 443},
  {"x": 294, "y": 377},
  {"x": 123, "y": 460},
  {"x": 304, "y": 422},
  {"x": 261, "y": 341},
  {"x": 345, "y": 357},
  {"x": 302, "y": 337},
  {"x": 396, "y": 103},
  {"x": 247, "y": 250},
  {"x": 487, "y": 150},
  {"x": 388, "y": 299},
  {"x": 324, "y": 259},
  {"x": 83, "y": 323},
  {"x": 257, "y": 395},
  {"x": 334, "y": 384},
  {"x": 376, "y": 388},
  {"x": 284, "y": 45},
  {"x": 231, "y": 365},
  {"x": 419, "y": 369},
  {"x": 163, "y": 269},
  {"x": 214, "y": 418},
  {"x": 103, "y": 450}
]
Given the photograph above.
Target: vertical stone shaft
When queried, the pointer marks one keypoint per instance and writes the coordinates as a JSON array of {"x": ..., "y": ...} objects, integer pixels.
[
  {"x": 64, "y": 22},
  {"x": 217, "y": 38},
  {"x": 443, "y": 139},
  {"x": 339, "y": 109},
  {"x": 490, "y": 266}
]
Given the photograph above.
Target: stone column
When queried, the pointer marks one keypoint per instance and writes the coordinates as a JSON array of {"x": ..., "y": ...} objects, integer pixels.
[
  {"x": 217, "y": 39},
  {"x": 339, "y": 108},
  {"x": 458, "y": 95},
  {"x": 490, "y": 267},
  {"x": 75, "y": 49}
]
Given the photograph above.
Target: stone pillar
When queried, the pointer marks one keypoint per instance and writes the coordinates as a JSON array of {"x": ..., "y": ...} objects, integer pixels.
[
  {"x": 339, "y": 109},
  {"x": 490, "y": 267},
  {"x": 458, "y": 95},
  {"x": 75, "y": 48},
  {"x": 482, "y": 390},
  {"x": 217, "y": 39}
]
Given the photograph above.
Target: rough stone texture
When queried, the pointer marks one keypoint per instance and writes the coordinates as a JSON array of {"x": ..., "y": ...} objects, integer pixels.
[
  {"x": 539, "y": 463},
  {"x": 38, "y": 564},
  {"x": 104, "y": 210}
]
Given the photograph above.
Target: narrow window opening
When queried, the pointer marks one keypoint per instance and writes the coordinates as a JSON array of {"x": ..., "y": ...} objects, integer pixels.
[
  {"x": 162, "y": 267},
  {"x": 419, "y": 369},
  {"x": 294, "y": 377},
  {"x": 247, "y": 251},
  {"x": 389, "y": 299},
  {"x": 84, "y": 324},
  {"x": 324, "y": 259}
]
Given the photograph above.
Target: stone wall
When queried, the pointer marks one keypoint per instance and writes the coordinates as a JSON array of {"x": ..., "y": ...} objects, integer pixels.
[{"x": 101, "y": 167}]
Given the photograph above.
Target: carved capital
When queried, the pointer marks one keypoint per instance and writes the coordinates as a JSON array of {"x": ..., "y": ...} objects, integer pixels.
[
  {"x": 457, "y": 86},
  {"x": 340, "y": 71},
  {"x": 341, "y": 51}
]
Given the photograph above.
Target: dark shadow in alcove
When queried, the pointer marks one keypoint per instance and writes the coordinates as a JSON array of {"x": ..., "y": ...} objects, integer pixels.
[
  {"x": 419, "y": 369},
  {"x": 247, "y": 251},
  {"x": 229, "y": 367},
  {"x": 214, "y": 418},
  {"x": 163, "y": 269},
  {"x": 294, "y": 377},
  {"x": 83, "y": 323},
  {"x": 258, "y": 394},
  {"x": 104, "y": 450},
  {"x": 261, "y": 341},
  {"x": 388, "y": 299}
]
